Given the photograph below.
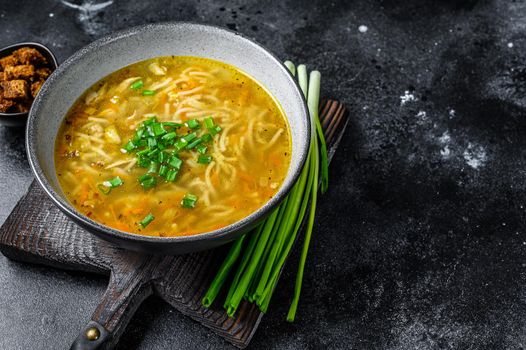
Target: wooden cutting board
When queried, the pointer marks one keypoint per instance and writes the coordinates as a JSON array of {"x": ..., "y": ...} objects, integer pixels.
[{"x": 37, "y": 232}]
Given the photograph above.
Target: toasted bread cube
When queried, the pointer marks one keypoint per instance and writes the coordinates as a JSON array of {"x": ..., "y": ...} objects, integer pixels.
[
  {"x": 19, "y": 72},
  {"x": 5, "y": 105},
  {"x": 35, "y": 87},
  {"x": 29, "y": 55},
  {"x": 21, "y": 107},
  {"x": 8, "y": 61},
  {"x": 43, "y": 73},
  {"x": 15, "y": 89}
]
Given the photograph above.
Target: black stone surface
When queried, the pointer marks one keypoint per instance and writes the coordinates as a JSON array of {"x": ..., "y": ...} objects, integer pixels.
[{"x": 420, "y": 241}]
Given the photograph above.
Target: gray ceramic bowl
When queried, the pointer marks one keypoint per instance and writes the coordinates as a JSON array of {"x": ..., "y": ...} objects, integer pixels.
[{"x": 117, "y": 50}]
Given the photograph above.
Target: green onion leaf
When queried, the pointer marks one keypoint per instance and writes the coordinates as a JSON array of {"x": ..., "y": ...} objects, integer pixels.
[
  {"x": 209, "y": 122},
  {"x": 150, "y": 121},
  {"x": 147, "y": 181},
  {"x": 158, "y": 129},
  {"x": 152, "y": 142},
  {"x": 138, "y": 135},
  {"x": 171, "y": 174},
  {"x": 104, "y": 189},
  {"x": 143, "y": 162},
  {"x": 172, "y": 124},
  {"x": 137, "y": 85},
  {"x": 206, "y": 138},
  {"x": 201, "y": 148},
  {"x": 194, "y": 143},
  {"x": 163, "y": 169},
  {"x": 190, "y": 137},
  {"x": 170, "y": 136},
  {"x": 216, "y": 129},
  {"x": 148, "y": 92},
  {"x": 193, "y": 124},
  {"x": 115, "y": 182},
  {"x": 181, "y": 143},
  {"x": 162, "y": 157},
  {"x": 204, "y": 159},
  {"x": 189, "y": 201},
  {"x": 154, "y": 167},
  {"x": 146, "y": 221},
  {"x": 130, "y": 146},
  {"x": 153, "y": 154},
  {"x": 175, "y": 162}
]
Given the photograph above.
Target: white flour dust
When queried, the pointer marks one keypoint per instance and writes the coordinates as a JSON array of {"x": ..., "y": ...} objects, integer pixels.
[
  {"x": 87, "y": 15},
  {"x": 407, "y": 97},
  {"x": 363, "y": 29},
  {"x": 445, "y": 141},
  {"x": 475, "y": 156}
]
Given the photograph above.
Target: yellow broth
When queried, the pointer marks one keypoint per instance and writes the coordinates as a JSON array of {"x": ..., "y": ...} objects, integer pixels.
[{"x": 250, "y": 156}]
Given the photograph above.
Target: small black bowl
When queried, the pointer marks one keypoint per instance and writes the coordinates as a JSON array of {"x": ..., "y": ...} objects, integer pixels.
[{"x": 19, "y": 119}]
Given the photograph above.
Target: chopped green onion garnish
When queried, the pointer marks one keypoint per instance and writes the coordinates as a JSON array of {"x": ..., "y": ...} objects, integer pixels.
[
  {"x": 170, "y": 136},
  {"x": 206, "y": 138},
  {"x": 148, "y": 92},
  {"x": 104, "y": 189},
  {"x": 138, "y": 135},
  {"x": 163, "y": 169},
  {"x": 157, "y": 145},
  {"x": 172, "y": 124},
  {"x": 149, "y": 121},
  {"x": 171, "y": 174},
  {"x": 143, "y": 152},
  {"x": 153, "y": 154},
  {"x": 193, "y": 124},
  {"x": 194, "y": 143},
  {"x": 181, "y": 143},
  {"x": 215, "y": 130},
  {"x": 147, "y": 181},
  {"x": 175, "y": 162},
  {"x": 162, "y": 157},
  {"x": 146, "y": 221},
  {"x": 115, "y": 182},
  {"x": 152, "y": 142},
  {"x": 130, "y": 146},
  {"x": 112, "y": 183},
  {"x": 201, "y": 149},
  {"x": 143, "y": 162},
  {"x": 144, "y": 177},
  {"x": 137, "y": 85},
  {"x": 158, "y": 129},
  {"x": 154, "y": 167},
  {"x": 209, "y": 122},
  {"x": 204, "y": 159},
  {"x": 189, "y": 201},
  {"x": 190, "y": 137}
]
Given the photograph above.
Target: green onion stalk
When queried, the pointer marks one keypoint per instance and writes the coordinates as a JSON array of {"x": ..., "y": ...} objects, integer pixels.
[{"x": 258, "y": 257}]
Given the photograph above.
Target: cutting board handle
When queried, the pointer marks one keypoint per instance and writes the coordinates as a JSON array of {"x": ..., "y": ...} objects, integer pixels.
[{"x": 127, "y": 289}]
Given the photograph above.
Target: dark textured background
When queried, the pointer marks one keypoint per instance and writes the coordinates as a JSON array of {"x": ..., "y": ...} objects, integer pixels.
[{"x": 420, "y": 241}]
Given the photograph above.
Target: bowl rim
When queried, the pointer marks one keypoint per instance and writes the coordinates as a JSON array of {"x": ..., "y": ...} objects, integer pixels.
[
  {"x": 90, "y": 224},
  {"x": 53, "y": 62}
]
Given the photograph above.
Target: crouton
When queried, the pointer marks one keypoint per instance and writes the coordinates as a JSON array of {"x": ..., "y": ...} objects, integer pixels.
[
  {"x": 15, "y": 89},
  {"x": 35, "y": 87},
  {"x": 6, "y": 105},
  {"x": 21, "y": 107},
  {"x": 19, "y": 72},
  {"x": 8, "y": 61},
  {"x": 43, "y": 73},
  {"x": 29, "y": 55}
]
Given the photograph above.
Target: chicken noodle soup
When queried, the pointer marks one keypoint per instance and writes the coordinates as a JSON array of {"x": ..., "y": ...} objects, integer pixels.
[{"x": 173, "y": 146}]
